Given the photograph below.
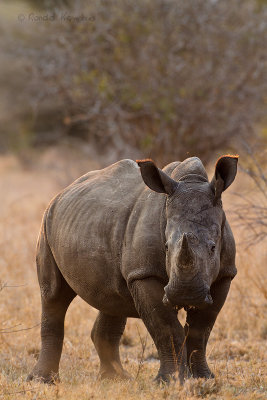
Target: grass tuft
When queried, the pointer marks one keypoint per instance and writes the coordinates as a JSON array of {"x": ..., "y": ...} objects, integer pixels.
[{"x": 237, "y": 349}]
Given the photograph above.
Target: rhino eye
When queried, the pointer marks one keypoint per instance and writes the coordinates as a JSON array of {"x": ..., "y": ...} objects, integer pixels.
[{"x": 212, "y": 246}]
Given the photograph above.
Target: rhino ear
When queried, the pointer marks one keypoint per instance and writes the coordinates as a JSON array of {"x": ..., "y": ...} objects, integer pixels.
[
  {"x": 156, "y": 179},
  {"x": 225, "y": 172}
]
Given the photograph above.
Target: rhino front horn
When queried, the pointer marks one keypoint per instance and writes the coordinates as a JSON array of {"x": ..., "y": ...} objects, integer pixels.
[{"x": 186, "y": 255}]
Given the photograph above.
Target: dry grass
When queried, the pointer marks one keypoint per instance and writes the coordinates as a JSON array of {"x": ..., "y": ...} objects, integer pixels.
[{"x": 237, "y": 348}]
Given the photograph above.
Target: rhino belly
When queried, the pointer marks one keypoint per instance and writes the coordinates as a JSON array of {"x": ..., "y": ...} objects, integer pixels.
[{"x": 98, "y": 283}]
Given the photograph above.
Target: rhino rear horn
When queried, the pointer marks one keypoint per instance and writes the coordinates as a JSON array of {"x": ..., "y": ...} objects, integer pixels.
[
  {"x": 155, "y": 178},
  {"x": 225, "y": 172}
]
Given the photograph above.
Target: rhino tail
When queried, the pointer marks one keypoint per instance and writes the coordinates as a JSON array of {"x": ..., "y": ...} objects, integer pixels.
[{"x": 49, "y": 275}]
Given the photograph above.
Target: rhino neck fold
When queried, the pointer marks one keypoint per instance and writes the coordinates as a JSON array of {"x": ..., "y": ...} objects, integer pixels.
[{"x": 163, "y": 221}]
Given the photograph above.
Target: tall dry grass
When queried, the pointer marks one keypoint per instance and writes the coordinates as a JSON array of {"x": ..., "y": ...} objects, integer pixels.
[{"x": 237, "y": 350}]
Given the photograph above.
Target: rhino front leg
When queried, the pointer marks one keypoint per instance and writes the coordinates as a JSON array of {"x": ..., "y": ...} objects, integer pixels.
[
  {"x": 200, "y": 324},
  {"x": 106, "y": 334},
  {"x": 162, "y": 323}
]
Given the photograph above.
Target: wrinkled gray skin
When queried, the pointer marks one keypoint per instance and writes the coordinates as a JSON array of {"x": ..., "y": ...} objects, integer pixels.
[{"x": 132, "y": 249}]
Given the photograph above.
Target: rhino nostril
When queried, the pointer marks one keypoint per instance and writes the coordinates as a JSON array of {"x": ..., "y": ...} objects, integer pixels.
[
  {"x": 208, "y": 299},
  {"x": 165, "y": 300}
]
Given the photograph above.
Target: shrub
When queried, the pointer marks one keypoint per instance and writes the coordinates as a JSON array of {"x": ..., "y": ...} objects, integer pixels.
[{"x": 169, "y": 78}]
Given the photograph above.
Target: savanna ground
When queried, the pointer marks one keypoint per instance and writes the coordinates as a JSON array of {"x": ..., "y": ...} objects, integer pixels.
[{"x": 237, "y": 350}]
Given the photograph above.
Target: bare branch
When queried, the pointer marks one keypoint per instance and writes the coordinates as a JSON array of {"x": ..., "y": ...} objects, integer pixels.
[
  {"x": 143, "y": 347},
  {"x": 250, "y": 213},
  {"x": 5, "y": 330}
]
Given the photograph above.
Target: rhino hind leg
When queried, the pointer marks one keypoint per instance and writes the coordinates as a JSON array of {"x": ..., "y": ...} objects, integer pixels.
[
  {"x": 56, "y": 296},
  {"x": 106, "y": 334}
]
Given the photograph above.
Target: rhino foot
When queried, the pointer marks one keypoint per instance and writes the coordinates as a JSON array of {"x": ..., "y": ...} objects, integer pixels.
[
  {"x": 50, "y": 379},
  {"x": 202, "y": 373},
  {"x": 162, "y": 378},
  {"x": 165, "y": 378},
  {"x": 178, "y": 375}
]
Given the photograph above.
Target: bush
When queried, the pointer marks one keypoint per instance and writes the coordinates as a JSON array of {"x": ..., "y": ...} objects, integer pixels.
[{"x": 169, "y": 78}]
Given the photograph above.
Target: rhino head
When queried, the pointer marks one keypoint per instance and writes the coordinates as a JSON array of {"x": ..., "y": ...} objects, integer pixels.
[{"x": 194, "y": 225}]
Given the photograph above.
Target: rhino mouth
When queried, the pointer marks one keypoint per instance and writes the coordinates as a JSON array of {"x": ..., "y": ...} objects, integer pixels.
[
  {"x": 166, "y": 301},
  {"x": 176, "y": 307}
]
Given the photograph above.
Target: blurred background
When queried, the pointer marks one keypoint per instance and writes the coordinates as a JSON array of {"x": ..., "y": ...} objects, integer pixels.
[
  {"x": 85, "y": 83},
  {"x": 114, "y": 78}
]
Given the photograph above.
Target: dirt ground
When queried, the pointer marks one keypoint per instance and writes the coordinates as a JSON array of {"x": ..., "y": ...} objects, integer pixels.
[{"x": 237, "y": 350}]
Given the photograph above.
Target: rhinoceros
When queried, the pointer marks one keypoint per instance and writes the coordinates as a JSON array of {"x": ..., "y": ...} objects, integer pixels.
[{"x": 141, "y": 245}]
